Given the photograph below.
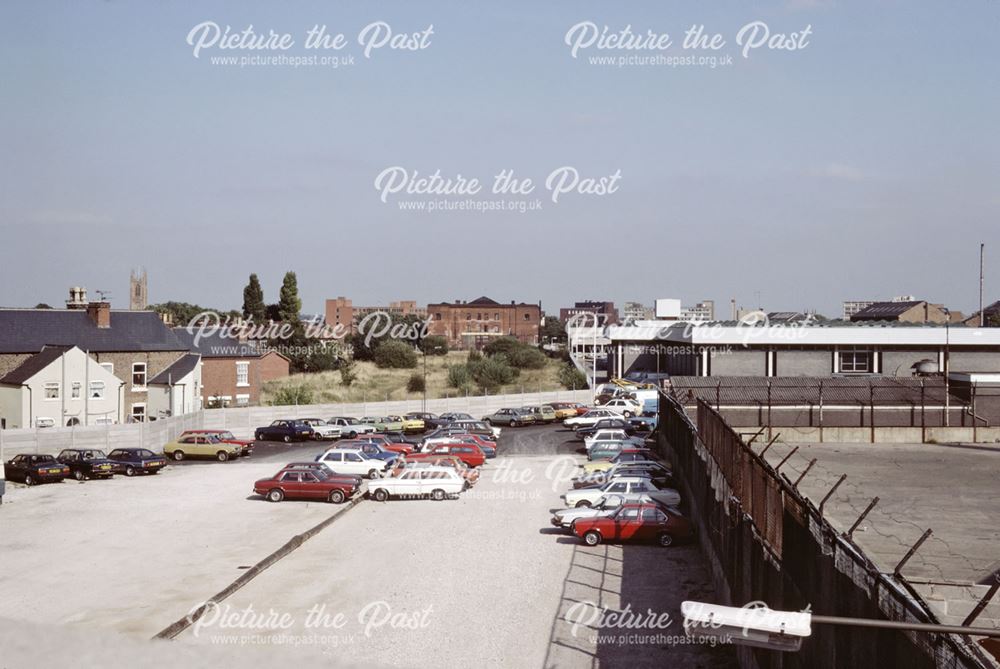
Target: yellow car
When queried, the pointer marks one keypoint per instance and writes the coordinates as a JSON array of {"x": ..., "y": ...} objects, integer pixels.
[
  {"x": 409, "y": 423},
  {"x": 201, "y": 446},
  {"x": 563, "y": 410},
  {"x": 597, "y": 466}
]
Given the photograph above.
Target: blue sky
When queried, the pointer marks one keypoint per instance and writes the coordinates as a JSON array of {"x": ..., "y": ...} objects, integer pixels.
[{"x": 862, "y": 166}]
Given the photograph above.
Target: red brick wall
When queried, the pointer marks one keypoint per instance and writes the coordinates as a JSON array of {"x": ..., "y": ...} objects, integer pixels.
[
  {"x": 453, "y": 320},
  {"x": 218, "y": 376}
]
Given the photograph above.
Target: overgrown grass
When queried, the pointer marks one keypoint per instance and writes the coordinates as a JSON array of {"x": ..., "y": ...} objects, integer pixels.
[{"x": 374, "y": 384}]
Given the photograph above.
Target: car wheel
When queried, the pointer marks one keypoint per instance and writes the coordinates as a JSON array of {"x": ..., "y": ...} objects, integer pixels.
[
  {"x": 437, "y": 494},
  {"x": 592, "y": 538},
  {"x": 337, "y": 497},
  {"x": 257, "y": 436},
  {"x": 373, "y": 473},
  {"x": 79, "y": 475},
  {"x": 666, "y": 540},
  {"x": 380, "y": 494},
  {"x": 130, "y": 471},
  {"x": 28, "y": 480},
  {"x": 178, "y": 455},
  {"x": 275, "y": 495},
  {"x": 286, "y": 439},
  {"x": 352, "y": 435},
  {"x": 582, "y": 504}
]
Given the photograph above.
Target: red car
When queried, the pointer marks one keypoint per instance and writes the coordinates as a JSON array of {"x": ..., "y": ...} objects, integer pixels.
[
  {"x": 297, "y": 483},
  {"x": 638, "y": 522},
  {"x": 313, "y": 466},
  {"x": 246, "y": 447},
  {"x": 470, "y": 454}
]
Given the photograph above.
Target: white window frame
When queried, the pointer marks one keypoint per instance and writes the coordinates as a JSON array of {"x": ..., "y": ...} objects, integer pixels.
[
  {"x": 145, "y": 377},
  {"x": 110, "y": 366},
  {"x": 138, "y": 405},
  {"x": 99, "y": 386},
  {"x": 243, "y": 400},
  {"x": 76, "y": 388},
  {"x": 50, "y": 385},
  {"x": 852, "y": 366},
  {"x": 244, "y": 366}
]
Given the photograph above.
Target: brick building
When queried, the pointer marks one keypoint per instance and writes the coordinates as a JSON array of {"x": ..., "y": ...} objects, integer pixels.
[
  {"x": 341, "y": 311},
  {"x": 606, "y": 312},
  {"x": 233, "y": 373},
  {"x": 475, "y": 323}
]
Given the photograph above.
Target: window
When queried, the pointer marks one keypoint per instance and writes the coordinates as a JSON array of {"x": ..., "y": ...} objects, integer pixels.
[
  {"x": 437, "y": 316},
  {"x": 496, "y": 316},
  {"x": 856, "y": 361},
  {"x": 629, "y": 514},
  {"x": 139, "y": 412},
  {"x": 52, "y": 390},
  {"x": 138, "y": 375},
  {"x": 74, "y": 392},
  {"x": 110, "y": 366},
  {"x": 242, "y": 400},
  {"x": 243, "y": 374},
  {"x": 527, "y": 317},
  {"x": 96, "y": 391}
]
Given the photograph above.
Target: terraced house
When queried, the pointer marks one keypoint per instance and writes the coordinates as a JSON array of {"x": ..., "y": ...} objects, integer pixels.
[{"x": 134, "y": 346}]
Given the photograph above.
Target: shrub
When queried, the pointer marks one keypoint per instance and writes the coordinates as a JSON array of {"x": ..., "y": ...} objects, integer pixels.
[
  {"x": 458, "y": 376},
  {"x": 501, "y": 345},
  {"x": 493, "y": 372},
  {"x": 474, "y": 356},
  {"x": 416, "y": 384},
  {"x": 526, "y": 357},
  {"x": 434, "y": 345},
  {"x": 395, "y": 355},
  {"x": 347, "y": 373},
  {"x": 293, "y": 395},
  {"x": 572, "y": 378}
]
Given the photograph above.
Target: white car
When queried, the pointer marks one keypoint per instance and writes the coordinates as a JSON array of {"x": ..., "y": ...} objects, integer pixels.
[
  {"x": 590, "y": 418},
  {"x": 602, "y": 506},
  {"x": 477, "y": 424},
  {"x": 322, "y": 429},
  {"x": 612, "y": 435},
  {"x": 623, "y": 407},
  {"x": 351, "y": 427},
  {"x": 626, "y": 484},
  {"x": 436, "y": 482},
  {"x": 353, "y": 461},
  {"x": 428, "y": 445}
]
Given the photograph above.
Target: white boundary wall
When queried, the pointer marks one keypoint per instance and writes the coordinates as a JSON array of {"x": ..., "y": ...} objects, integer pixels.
[{"x": 242, "y": 421}]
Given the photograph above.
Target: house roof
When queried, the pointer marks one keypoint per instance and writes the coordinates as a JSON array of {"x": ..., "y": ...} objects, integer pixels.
[
  {"x": 215, "y": 345},
  {"x": 882, "y": 310},
  {"x": 33, "y": 365},
  {"x": 29, "y": 330},
  {"x": 176, "y": 371}
]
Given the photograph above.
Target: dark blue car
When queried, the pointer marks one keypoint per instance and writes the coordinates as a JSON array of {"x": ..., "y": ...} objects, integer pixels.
[
  {"x": 132, "y": 461},
  {"x": 284, "y": 430}
]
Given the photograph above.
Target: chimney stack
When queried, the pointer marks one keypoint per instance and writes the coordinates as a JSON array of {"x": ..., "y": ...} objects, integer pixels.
[
  {"x": 77, "y": 298},
  {"x": 100, "y": 313}
]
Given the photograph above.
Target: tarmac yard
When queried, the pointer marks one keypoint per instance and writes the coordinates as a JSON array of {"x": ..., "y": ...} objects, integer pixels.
[{"x": 482, "y": 580}]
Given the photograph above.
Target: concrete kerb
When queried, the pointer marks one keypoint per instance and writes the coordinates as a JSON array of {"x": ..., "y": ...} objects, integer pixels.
[{"x": 175, "y": 628}]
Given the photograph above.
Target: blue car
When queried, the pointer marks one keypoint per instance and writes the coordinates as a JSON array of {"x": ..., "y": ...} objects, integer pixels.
[{"x": 371, "y": 449}]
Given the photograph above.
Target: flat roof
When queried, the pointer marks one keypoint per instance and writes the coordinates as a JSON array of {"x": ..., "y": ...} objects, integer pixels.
[
  {"x": 795, "y": 334},
  {"x": 947, "y": 488}
]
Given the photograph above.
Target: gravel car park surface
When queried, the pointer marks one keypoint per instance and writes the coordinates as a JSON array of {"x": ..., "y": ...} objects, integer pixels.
[{"x": 482, "y": 580}]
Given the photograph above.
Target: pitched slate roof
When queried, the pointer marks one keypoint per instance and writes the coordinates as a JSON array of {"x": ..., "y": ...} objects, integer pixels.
[
  {"x": 29, "y": 330},
  {"x": 217, "y": 346},
  {"x": 881, "y": 310},
  {"x": 33, "y": 365},
  {"x": 176, "y": 371}
]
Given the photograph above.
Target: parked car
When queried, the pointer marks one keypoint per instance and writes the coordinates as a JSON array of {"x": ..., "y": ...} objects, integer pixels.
[
  {"x": 465, "y": 471},
  {"x": 398, "y": 437},
  {"x": 563, "y": 410},
  {"x": 321, "y": 429},
  {"x": 624, "y": 455},
  {"x": 319, "y": 466},
  {"x": 489, "y": 448},
  {"x": 611, "y": 435},
  {"x": 342, "y": 460},
  {"x": 411, "y": 423},
  {"x": 284, "y": 430},
  {"x": 132, "y": 461},
  {"x": 470, "y": 454},
  {"x": 602, "y": 506},
  {"x": 295, "y": 483},
  {"x": 86, "y": 463},
  {"x": 452, "y": 416},
  {"x": 615, "y": 423},
  {"x": 388, "y": 443},
  {"x": 605, "y": 450},
  {"x": 201, "y": 446},
  {"x": 351, "y": 427},
  {"x": 480, "y": 427},
  {"x": 511, "y": 417},
  {"x": 644, "y": 423},
  {"x": 624, "y": 406},
  {"x": 372, "y": 449},
  {"x": 590, "y": 418},
  {"x": 430, "y": 420},
  {"x": 31, "y": 469},
  {"x": 435, "y": 482},
  {"x": 542, "y": 414},
  {"x": 246, "y": 446},
  {"x": 638, "y": 522},
  {"x": 631, "y": 484},
  {"x": 660, "y": 476}
]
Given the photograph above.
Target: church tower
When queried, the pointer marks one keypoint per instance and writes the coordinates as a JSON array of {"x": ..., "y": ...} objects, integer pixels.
[{"x": 138, "y": 298}]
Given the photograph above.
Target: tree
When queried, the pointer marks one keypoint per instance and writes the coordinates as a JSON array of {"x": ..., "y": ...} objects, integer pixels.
[
  {"x": 395, "y": 355},
  {"x": 416, "y": 384},
  {"x": 572, "y": 378},
  {"x": 492, "y": 372},
  {"x": 527, "y": 357},
  {"x": 293, "y": 395},
  {"x": 253, "y": 301},
  {"x": 289, "y": 303},
  {"x": 42, "y": 305},
  {"x": 554, "y": 330},
  {"x": 501, "y": 345},
  {"x": 182, "y": 313},
  {"x": 347, "y": 373},
  {"x": 434, "y": 345},
  {"x": 458, "y": 376}
]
